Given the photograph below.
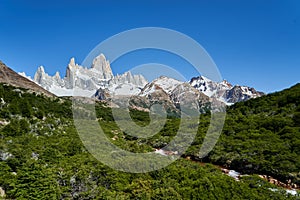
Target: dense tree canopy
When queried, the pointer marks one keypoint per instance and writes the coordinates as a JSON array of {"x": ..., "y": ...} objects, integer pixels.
[{"x": 42, "y": 156}]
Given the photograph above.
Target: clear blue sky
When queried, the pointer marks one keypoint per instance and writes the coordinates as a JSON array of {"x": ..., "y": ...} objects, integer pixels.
[{"x": 254, "y": 43}]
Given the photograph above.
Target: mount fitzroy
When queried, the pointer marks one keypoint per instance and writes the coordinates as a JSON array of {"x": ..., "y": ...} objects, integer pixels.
[
  {"x": 86, "y": 81},
  {"x": 98, "y": 81}
]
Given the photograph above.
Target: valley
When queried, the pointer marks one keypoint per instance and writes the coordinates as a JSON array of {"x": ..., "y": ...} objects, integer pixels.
[{"x": 42, "y": 156}]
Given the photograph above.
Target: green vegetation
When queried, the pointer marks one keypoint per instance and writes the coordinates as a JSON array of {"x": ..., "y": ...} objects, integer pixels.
[
  {"x": 42, "y": 156},
  {"x": 263, "y": 136}
]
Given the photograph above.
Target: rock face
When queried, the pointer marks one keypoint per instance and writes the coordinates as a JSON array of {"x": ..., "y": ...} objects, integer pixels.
[
  {"x": 224, "y": 91},
  {"x": 102, "y": 65},
  {"x": 163, "y": 83},
  {"x": 102, "y": 94},
  {"x": 174, "y": 95},
  {"x": 199, "y": 94},
  {"x": 9, "y": 76},
  {"x": 5, "y": 155},
  {"x": 241, "y": 93},
  {"x": 126, "y": 84},
  {"x": 82, "y": 81},
  {"x": 2, "y": 192},
  {"x": 188, "y": 98}
]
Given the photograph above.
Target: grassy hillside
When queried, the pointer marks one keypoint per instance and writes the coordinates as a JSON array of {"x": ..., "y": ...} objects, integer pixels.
[{"x": 42, "y": 157}]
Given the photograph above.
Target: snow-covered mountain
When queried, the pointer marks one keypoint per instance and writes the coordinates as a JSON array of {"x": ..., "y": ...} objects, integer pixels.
[
  {"x": 163, "y": 83},
  {"x": 199, "y": 94},
  {"x": 172, "y": 94},
  {"x": 224, "y": 91},
  {"x": 99, "y": 81},
  {"x": 83, "y": 81},
  {"x": 168, "y": 89}
]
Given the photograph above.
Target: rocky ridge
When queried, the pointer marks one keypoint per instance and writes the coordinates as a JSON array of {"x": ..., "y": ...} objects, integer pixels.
[
  {"x": 9, "y": 76},
  {"x": 83, "y": 81},
  {"x": 99, "y": 82},
  {"x": 224, "y": 91}
]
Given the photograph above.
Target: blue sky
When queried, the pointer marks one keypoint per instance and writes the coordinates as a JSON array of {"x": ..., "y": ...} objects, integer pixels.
[{"x": 254, "y": 43}]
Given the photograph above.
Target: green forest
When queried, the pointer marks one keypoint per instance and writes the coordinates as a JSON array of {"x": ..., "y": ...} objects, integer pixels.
[{"x": 42, "y": 156}]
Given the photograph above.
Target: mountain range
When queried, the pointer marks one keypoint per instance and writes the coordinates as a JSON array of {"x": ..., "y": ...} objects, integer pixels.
[
  {"x": 99, "y": 81},
  {"x": 40, "y": 145},
  {"x": 85, "y": 81}
]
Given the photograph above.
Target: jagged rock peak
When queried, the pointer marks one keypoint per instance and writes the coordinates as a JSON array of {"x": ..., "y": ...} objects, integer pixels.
[
  {"x": 57, "y": 76},
  {"x": 103, "y": 66},
  {"x": 41, "y": 69},
  {"x": 128, "y": 77},
  {"x": 226, "y": 83},
  {"x": 72, "y": 61},
  {"x": 224, "y": 91},
  {"x": 72, "y": 65},
  {"x": 162, "y": 83},
  {"x": 88, "y": 79},
  {"x": 241, "y": 93},
  {"x": 39, "y": 74}
]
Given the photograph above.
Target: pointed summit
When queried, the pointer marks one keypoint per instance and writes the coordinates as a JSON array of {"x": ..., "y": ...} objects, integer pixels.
[
  {"x": 89, "y": 79},
  {"x": 41, "y": 69},
  {"x": 39, "y": 74},
  {"x": 72, "y": 63},
  {"x": 103, "y": 67},
  {"x": 224, "y": 91},
  {"x": 57, "y": 75}
]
